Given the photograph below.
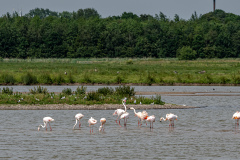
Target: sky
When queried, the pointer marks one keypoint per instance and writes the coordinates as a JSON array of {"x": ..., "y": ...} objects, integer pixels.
[{"x": 106, "y": 8}]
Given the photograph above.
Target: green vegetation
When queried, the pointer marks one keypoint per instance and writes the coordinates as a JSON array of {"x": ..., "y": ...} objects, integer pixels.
[
  {"x": 145, "y": 71},
  {"x": 83, "y": 34},
  {"x": 105, "y": 95}
]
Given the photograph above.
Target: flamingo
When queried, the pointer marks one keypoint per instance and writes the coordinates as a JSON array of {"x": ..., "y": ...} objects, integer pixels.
[
  {"x": 236, "y": 116},
  {"x": 91, "y": 122},
  {"x": 151, "y": 119},
  {"x": 78, "y": 117},
  {"x": 102, "y": 121},
  {"x": 119, "y": 112},
  {"x": 124, "y": 116},
  {"x": 46, "y": 120},
  {"x": 141, "y": 115},
  {"x": 171, "y": 117}
]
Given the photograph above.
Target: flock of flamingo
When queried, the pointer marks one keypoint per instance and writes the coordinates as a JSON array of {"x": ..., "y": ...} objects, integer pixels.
[{"x": 123, "y": 114}]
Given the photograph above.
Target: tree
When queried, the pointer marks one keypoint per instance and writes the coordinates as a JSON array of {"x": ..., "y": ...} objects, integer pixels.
[{"x": 186, "y": 53}]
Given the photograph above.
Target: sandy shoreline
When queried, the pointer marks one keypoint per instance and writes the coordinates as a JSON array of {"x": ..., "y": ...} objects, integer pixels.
[{"x": 89, "y": 107}]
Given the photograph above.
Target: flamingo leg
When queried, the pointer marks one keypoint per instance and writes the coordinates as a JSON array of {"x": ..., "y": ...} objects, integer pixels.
[
  {"x": 46, "y": 126},
  {"x": 79, "y": 124},
  {"x": 50, "y": 127}
]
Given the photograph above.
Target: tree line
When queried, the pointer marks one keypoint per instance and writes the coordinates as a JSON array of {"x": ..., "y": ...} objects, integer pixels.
[{"x": 42, "y": 33}]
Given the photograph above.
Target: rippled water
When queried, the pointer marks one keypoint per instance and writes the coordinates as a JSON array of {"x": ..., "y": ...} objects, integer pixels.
[{"x": 202, "y": 133}]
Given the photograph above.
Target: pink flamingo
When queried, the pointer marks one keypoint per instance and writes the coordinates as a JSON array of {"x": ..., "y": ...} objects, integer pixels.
[
  {"x": 91, "y": 122},
  {"x": 78, "y": 117},
  {"x": 102, "y": 121},
  {"x": 151, "y": 119},
  {"x": 124, "y": 116},
  {"x": 141, "y": 116},
  {"x": 236, "y": 116},
  {"x": 171, "y": 117},
  {"x": 119, "y": 112},
  {"x": 46, "y": 120}
]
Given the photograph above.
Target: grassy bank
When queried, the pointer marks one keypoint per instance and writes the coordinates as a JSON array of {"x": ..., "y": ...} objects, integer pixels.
[
  {"x": 105, "y": 95},
  {"x": 119, "y": 71}
]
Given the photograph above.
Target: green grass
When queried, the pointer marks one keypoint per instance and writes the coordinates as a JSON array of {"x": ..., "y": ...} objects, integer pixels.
[
  {"x": 104, "y": 95},
  {"x": 115, "y": 71}
]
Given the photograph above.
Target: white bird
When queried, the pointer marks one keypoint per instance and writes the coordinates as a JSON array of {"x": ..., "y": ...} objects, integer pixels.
[
  {"x": 102, "y": 121},
  {"x": 236, "y": 116},
  {"x": 171, "y": 117},
  {"x": 124, "y": 116},
  {"x": 46, "y": 120},
  {"x": 141, "y": 116},
  {"x": 78, "y": 117},
  {"x": 63, "y": 97},
  {"x": 92, "y": 122},
  {"x": 119, "y": 112},
  {"x": 151, "y": 119}
]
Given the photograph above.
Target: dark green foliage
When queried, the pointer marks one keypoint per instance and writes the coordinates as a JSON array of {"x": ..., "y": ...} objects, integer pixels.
[
  {"x": 119, "y": 79},
  {"x": 39, "y": 90},
  {"x": 150, "y": 79},
  {"x": 8, "y": 79},
  {"x": 83, "y": 34},
  {"x": 158, "y": 100},
  {"x": 45, "y": 79},
  {"x": 93, "y": 96},
  {"x": 67, "y": 91},
  {"x": 106, "y": 91},
  {"x": 186, "y": 53},
  {"x": 81, "y": 91},
  {"x": 124, "y": 91},
  {"x": 28, "y": 79},
  {"x": 7, "y": 90}
]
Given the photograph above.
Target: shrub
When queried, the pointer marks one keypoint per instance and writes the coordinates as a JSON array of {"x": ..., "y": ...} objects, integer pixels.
[
  {"x": 150, "y": 79},
  {"x": 60, "y": 79},
  {"x": 46, "y": 79},
  {"x": 125, "y": 91},
  {"x": 119, "y": 79},
  {"x": 86, "y": 78},
  {"x": 91, "y": 96},
  {"x": 186, "y": 53},
  {"x": 29, "y": 79},
  {"x": 157, "y": 100},
  {"x": 105, "y": 91},
  {"x": 81, "y": 90},
  {"x": 67, "y": 91},
  {"x": 9, "y": 79},
  {"x": 7, "y": 91},
  {"x": 38, "y": 90}
]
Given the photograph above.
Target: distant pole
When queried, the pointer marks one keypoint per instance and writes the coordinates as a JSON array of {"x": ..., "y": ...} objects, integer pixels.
[{"x": 214, "y": 5}]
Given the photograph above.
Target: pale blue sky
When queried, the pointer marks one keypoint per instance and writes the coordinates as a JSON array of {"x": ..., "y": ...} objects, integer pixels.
[{"x": 184, "y": 8}]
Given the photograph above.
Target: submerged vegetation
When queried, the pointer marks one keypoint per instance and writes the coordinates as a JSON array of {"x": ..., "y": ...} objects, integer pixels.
[
  {"x": 104, "y": 95},
  {"x": 144, "y": 71}
]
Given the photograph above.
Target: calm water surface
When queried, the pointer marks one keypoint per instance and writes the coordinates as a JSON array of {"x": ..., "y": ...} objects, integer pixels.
[{"x": 202, "y": 133}]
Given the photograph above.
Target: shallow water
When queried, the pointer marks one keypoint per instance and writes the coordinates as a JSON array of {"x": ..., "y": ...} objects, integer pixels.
[{"x": 202, "y": 133}]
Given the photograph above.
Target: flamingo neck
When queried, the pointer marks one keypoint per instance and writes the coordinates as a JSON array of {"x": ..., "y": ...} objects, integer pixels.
[{"x": 124, "y": 106}]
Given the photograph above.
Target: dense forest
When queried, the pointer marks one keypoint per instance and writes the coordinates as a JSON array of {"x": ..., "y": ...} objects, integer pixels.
[{"x": 42, "y": 33}]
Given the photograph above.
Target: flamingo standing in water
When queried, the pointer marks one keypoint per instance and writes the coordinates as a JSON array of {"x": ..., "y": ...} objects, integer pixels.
[
  {"x": 91, "y": 122},
  {"x": 236, "y": 116},
  {"x": 102, "y": 121},
  {"x": 119, "y": 112},
  {"x": 151, "y": 119},
  {"x": 124, "y": 116},
  {"x": 46, "y": 120},
  {"x": 141, "y": 116},
  {"x": 78, "y": 117},
  {"x": 171, "y": 117}
]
